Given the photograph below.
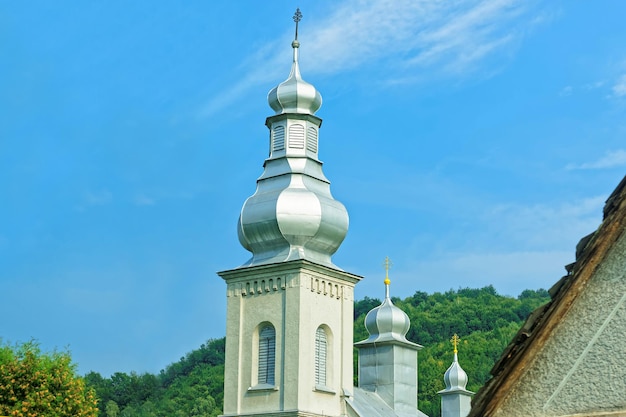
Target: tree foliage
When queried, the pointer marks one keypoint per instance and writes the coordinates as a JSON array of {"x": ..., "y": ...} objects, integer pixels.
[
  {"x": 33, "y": 383},
  {"x": 485, "y": 321},
  {"x": 191, "y": 387}
]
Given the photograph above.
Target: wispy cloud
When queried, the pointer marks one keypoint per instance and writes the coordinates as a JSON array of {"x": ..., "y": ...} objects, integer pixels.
[
  {"x": 619, "y": 88},
  {"x": 452, "y": 35},
  {"x": 594, "y": 85},
  {"x": 509, "y": 272},
  {"x": 395, "y": 37},
  {"x": 543, "y": 226},
  {"x": 94, "y": 198},
  {"x": 585, "y": 88},
  {"x": 611, "y": 159},
  {"x": 566, "y": 91},
  {"x": 144, "y": 200},
  {"x": 517, "y": 247}
]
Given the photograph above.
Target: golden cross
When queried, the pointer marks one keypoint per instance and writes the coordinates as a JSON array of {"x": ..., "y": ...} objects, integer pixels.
[
  {"x": 455, "y": 342},
  {"x": 387, "y": 264}
]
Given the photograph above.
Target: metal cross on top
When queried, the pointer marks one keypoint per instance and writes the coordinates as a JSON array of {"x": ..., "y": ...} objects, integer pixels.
[
  {"x": 387, "y": 264},
  {"x": 297, "y": 16},
  {"x": 455, "y": 342}
]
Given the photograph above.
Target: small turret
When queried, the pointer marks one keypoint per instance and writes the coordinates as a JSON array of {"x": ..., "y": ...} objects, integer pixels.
[
  {"x": 387, "y": 360},
  {"x": 455, "y": 399}
]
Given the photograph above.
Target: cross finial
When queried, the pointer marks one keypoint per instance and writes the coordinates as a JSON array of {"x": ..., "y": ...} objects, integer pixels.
[
  {"x": 297, "y": 17},
  {"x": 387, "y": 264},
  {"x": 455, "y": 342}
]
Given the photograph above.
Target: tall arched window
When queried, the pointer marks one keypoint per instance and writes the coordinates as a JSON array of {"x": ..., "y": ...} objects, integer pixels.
[
  {"x": 267, "y": 355},
  {"x": 321, "y": 347}
]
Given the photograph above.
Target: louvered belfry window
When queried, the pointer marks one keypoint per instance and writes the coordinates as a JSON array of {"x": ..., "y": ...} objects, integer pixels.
[
  {"x": 296, "y": 136},
  {"x": 278, "y": 139},
  {"x": 321, "y": 346},
  {"x": 267, "y": 355},
  {"x": 311, "y": 140}
]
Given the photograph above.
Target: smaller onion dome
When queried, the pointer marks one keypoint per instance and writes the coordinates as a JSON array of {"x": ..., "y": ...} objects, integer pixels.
[
  {"x": 294, "y": 95},
  {"x": 455, "y": 377},
  {"x": 387, "y": 322}
]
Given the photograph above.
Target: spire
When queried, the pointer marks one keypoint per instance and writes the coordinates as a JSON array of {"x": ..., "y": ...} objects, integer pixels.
[
  {"x": 292, "y": 214},
  {"x": 297, "y": 17},
  {"x": 387, "y": 265},
  {"x": 294, "y": 95}
]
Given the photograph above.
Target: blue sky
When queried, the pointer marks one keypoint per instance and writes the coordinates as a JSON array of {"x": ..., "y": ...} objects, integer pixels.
[{"x": 473, "y": 142}]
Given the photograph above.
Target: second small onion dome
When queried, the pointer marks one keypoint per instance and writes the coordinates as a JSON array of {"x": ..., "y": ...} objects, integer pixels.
[
  {"x": 294, "y": 95},
  {"x": 387, "y": 322},
  {"x": 455, "y": 377}
]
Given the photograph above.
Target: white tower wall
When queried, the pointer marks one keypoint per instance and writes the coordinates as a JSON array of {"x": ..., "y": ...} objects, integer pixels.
[{"x": 296, "y": 298}]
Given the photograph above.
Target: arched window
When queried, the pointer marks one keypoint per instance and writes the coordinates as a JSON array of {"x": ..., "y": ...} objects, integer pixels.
[
  {"x": 267, "y": 355},
  {"x": 321, "y": 347}
]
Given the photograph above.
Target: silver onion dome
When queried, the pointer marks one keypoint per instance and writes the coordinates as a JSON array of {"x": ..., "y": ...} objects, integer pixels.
[
  {"x": 455, "y": 377},
  {"x": 292, "y": 215},
  {"x": 294, "y": 95},
  {"x": 387, "y": 322}
]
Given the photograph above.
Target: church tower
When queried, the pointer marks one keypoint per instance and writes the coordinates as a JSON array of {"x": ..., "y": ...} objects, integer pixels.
[{"x": 289, "y": 322}]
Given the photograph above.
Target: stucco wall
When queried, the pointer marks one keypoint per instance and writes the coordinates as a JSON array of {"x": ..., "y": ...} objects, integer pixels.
[
  {"x": 582, "y": 367},
  {"x": 296, "y": 301}
]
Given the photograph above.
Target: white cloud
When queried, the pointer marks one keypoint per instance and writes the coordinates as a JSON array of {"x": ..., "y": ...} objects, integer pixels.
[
  {"x": 543, "y": 226},
  {"x": 566, "y": 91},
  {"x": 98, "y": 198},
  {"x": 511, "y": 246},
  {"x": 95, "y": 198},
  {"x": 588, "y": 87},
  {"x": 611, "y": 159},
  {"x": 509, "y": 272},
  {"x": 619, "y": 88},
  {"x": 593, "y": 85},
  {"x": 144, "y": 200},
  {"x": 395, "y": 36}
]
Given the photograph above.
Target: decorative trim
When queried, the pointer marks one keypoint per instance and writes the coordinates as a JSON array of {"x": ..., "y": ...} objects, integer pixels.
[
  {"x": 322, "y": 286},
  {"x": 261, "y": 286}
]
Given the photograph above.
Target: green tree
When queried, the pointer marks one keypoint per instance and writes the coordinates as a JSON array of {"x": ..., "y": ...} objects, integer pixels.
[
  {"x": 194, "y": 386},
  {"x": 112, "y": 409},
  {"x": 485, "y": 321},
  {"x": 33, "y": 383}
]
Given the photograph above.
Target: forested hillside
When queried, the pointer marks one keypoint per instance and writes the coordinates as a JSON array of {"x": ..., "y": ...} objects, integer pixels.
[{"x": 485, "y": 321}]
